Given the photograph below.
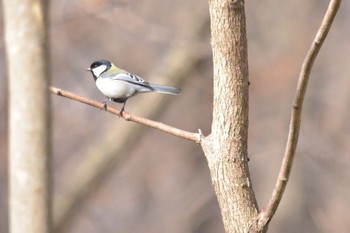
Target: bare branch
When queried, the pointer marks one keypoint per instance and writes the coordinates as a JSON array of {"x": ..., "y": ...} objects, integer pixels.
[
  {"x": 195, "y": 137},
  {"x": 294, "y": 127}
]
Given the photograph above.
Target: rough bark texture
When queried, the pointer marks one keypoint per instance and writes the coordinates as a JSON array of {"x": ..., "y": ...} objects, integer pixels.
[
  {"x": 226, "y": 146},
  {"x": 29, "y": 107}
]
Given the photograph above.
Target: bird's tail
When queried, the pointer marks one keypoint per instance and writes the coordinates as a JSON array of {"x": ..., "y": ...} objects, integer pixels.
[{"x": 166, "y": 89}]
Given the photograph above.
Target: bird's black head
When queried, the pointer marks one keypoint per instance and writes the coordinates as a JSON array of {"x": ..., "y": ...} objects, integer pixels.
[{"x": 99, "y": 67}]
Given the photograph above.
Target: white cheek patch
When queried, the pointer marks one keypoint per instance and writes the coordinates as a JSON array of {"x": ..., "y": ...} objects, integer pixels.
[{"x": 99, "y": 70}]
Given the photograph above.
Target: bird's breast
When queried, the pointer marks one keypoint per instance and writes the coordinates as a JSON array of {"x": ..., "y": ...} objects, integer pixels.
[{"x": 115, "y": 88}]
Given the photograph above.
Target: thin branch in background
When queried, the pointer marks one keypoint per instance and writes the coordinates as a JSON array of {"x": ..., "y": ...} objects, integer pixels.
[
  {"x": 195, "y": 137},
  {"x": 294, "y": 127}
]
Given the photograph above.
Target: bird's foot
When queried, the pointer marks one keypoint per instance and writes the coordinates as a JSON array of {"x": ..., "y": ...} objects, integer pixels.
[
  {"x": 122, "y": 110},
  {"x": 104, "y": 107}
]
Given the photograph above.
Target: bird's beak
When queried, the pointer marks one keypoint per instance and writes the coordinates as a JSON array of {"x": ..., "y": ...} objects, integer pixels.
[{"x": 88, "y": 69}]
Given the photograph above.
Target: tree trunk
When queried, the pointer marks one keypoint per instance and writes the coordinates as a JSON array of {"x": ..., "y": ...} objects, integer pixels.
[
  {"x": 29, "y": 119},
  {"x": 226, "y": 146}
]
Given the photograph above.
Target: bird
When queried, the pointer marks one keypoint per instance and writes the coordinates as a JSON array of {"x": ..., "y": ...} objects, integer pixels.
[{"x": 119, "y": 85}]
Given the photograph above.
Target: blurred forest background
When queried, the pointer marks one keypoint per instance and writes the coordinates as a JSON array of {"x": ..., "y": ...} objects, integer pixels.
[{"x": 155, "y": 182}]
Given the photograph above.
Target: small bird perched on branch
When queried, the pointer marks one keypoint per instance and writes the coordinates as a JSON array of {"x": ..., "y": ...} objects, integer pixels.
[{"x": 119, "y": 85}]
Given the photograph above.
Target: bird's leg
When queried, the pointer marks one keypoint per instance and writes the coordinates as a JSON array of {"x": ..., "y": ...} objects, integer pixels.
[
  {"x": 122, "y": 110},
  {"x": 104, "y": 107}
]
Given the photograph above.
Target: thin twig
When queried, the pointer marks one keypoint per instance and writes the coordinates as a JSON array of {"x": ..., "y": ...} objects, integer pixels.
[
  {"x": 195, "y": 137},
  {"x": 267, "y": 214}
]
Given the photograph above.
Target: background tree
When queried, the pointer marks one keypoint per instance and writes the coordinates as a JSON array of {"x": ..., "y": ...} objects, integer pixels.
[{"x": 26, "y": 31}]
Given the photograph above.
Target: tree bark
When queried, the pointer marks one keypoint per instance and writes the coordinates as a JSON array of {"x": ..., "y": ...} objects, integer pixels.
[
  {"x": 226, "y": 147},
  {"x": 29, "y": 120}
]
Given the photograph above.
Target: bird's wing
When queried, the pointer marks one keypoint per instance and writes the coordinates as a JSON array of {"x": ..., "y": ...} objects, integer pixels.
[{"x": 130, "y": 78}]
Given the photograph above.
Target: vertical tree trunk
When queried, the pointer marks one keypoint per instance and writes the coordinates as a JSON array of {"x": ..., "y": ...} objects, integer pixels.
[
  {"x": 226, "y": 146},
  {"x": 29, "y": 107}
]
